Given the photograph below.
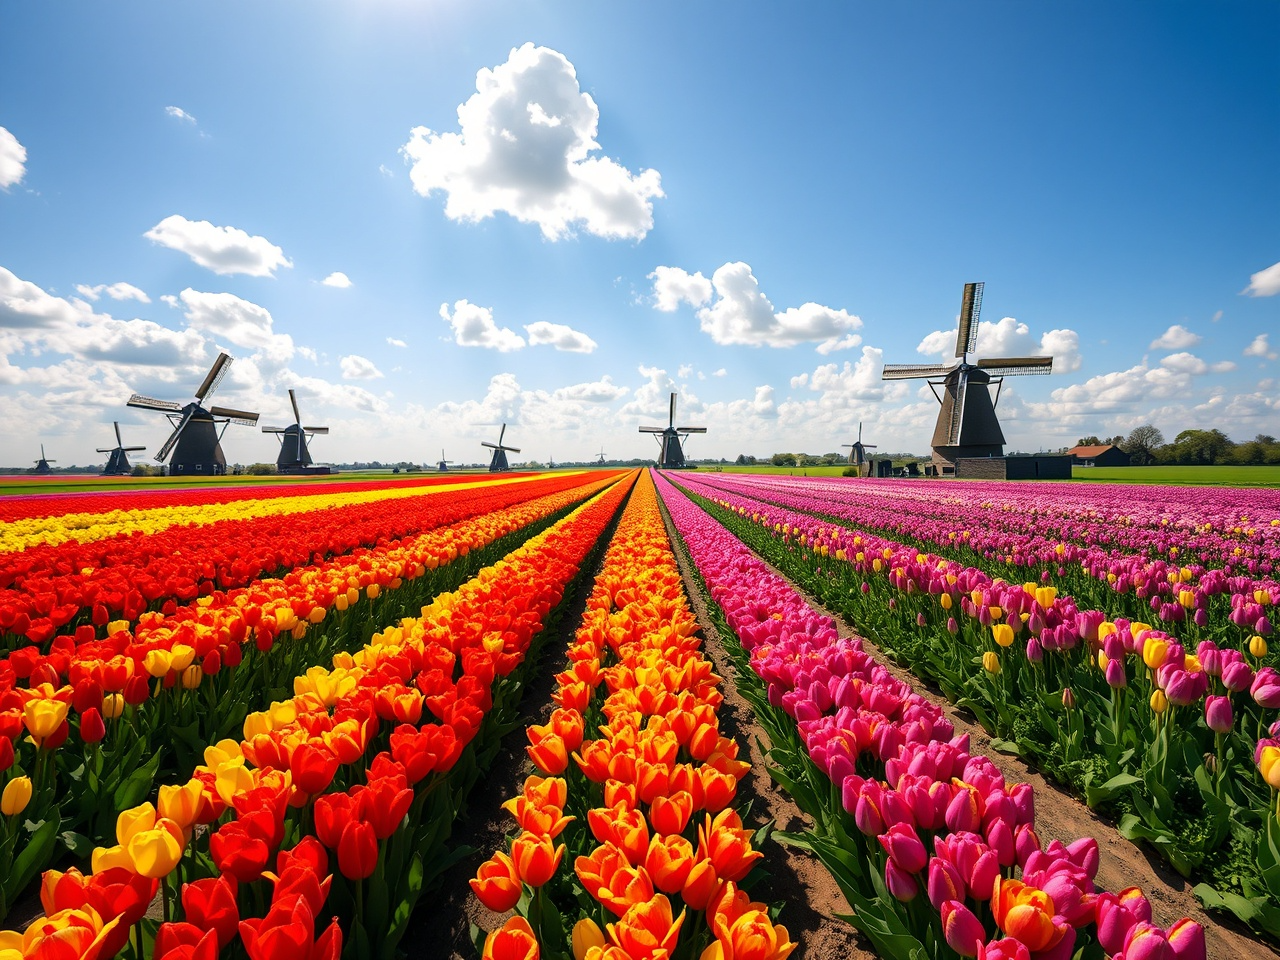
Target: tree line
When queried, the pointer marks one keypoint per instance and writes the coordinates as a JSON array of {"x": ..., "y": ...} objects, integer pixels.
[{"x": 1146, "y": 445}]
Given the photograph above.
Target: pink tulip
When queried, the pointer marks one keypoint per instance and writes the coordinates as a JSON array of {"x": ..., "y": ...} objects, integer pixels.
[
  {"x": 900, "y": 882},
  {"x": 904, "y": 848},
  {"x": 962, "y": 930},
  {"x": 1217, "y": 714},
  {"x": 1005, "y": 949}
]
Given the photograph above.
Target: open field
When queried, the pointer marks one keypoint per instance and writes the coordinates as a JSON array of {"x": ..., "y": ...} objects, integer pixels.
[{"x": 1221, "y": 476}]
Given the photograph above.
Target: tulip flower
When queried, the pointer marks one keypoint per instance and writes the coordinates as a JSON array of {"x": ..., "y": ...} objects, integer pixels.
[
  {"x": 1217, "y": 714},
  {"x": 961, "y": 929},
  {"x": 647, "y": 928},
  {"x": 990, "y": 662},
  {"x": 536, "y": 858},
  {"x": 67, "y": 933},
  {"x": 497, "y": 883},
  {"x": 586, "y": 935},
  {"x": 210, "y": 904},
  {"x": 1027, "y": 914},
  {"x": 185, "y": 941},
  {"x": 514, "y": 940},
  {"x": 16, "y": 796},
  {"x": 357, "y": 850}
]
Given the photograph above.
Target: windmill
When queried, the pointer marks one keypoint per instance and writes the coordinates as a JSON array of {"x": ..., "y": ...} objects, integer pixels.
[
  {"x": 858, "y": 450},
  {"x": 197, "y": 432},
  {"x": 118, "y": 462},
  {"x": 671, "y": 440},
  {"x": 499, "y": 462},
  {"x": 967, "y": 424},
  {"x": 551, "y": 463},
  {"x": 294, "y": 455},
  {"x": 601, "y": 460},
  {"x": 443, "y": 465},
  {"x": 42, "y": 465}
]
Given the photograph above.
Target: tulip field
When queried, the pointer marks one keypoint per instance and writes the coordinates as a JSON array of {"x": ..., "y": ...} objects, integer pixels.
[{"x": 245, "y": 721}]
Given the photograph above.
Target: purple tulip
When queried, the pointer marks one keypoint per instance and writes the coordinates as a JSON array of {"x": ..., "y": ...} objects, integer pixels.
[{"x": 901, "y": 883}]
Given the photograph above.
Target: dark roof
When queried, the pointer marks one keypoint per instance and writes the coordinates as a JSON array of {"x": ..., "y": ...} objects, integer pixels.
[{"x": 1094, "y": 450}]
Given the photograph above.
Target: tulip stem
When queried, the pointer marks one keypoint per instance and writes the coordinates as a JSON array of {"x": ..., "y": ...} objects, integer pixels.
[{"x": 164, "y": 898}]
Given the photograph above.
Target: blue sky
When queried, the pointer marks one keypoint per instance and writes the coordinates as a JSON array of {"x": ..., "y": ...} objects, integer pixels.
[{"x": 554, "y": 214}]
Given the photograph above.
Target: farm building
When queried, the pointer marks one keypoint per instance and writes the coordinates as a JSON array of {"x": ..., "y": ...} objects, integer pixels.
[
  {"x": 1014, "y": 468},
  {"x": 1098, "y": 455}
]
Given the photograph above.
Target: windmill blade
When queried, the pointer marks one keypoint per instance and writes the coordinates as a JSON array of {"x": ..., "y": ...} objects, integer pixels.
[
  {"x": 691, "y": 429},
  {"x": 42, "y": 456},
  {"x": 502, "y": 433},
  {"x": 672, "y": 420},
  {"x": 297, "y": 417},
  {"x": 274, "y": 429},
  {"x": 491, "y": 446},
  {"x": 116, "y": 424},
  {"x": 107, "y": 450},
  {"x": 316, "y": 429},
  {"x": 510, "y": 449},
  {"x": 1017, "y": 366},
  {"x": 163, "y": 453},
  {"x": 242, "y": 417},
  {"x": 133, "y": 449},
  {"x": 913, "y": 371},
  {"x": 653, "y": 429},
  {"x": 214, "y": 376},
  {"x": 957, "y": 410},
  {"x": 869, "y": 446},
  {"x": 970, "y": 308},
  {"x": 147, "y": 403}
]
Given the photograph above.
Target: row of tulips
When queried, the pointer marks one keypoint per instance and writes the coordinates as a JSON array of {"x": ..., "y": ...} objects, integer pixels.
[
  {"x": 144, "y": 702},
  {"x": 344, "y": 773},
  {"x": 76, "y": 586},
  {"x": 150, "y": 495},
  {"x": 642, "y": 813},
  {"x": 886, "y": 780},
  {"x": 1193, "y": 592},
  {"x": 1162, "y": 736},
  {"x": 22, "y": 534}
]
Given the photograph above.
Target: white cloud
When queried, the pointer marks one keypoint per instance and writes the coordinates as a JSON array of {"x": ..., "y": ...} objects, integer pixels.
[
  {"x": 744, "y": 315},
  {"x": 722, "y": 372},
  {"x": 13, "y": 160},
  {"x": 685, "y": 371},
  {"x": 852, "y": 381},
  {"x": 557, "y": 335},
  {"x": 603, "y": 390},
  {"x": 396, "y": 343},
  {"x": 224, "y": 250},
  {"x": 473, "y": 326},
  {"x": 171, "y": 300},
  {"x": 1185, "y": 363},
  {"x": 356, "y": 367},
  {"x": 1261, "y": 347},
  {"x": 1264, "y": 283},
  {"x": 1010, "y": 338},
  {"x": 116, "y": 291},
  {"x": 239, "y": 321},
  {"x": 1216, "y": 316},
  {"x": 525, "y": 148},
  {"x": 386, "y": 171},
  {"x": 179, "y": 114},
  {"x": 1177, "y": 337},
  {"x": 337, "y": 279},
  {"x": 673, "y": 286},
  {"x": 1222, "y": 366}
]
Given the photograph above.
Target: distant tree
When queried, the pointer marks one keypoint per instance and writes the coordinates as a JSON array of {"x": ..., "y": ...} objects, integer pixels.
[
  {"x": 831, "y": 459},
  {"x": 741, "y": 461},
  {"x": 260, "y": 469},
  {"x": 783, "y": 460},
  {"x": 1089, "y": 441},
  {"x": 1263, "y": 448},
  {"x": 1142, "y": 443},
  {"x": 1202, "y": 447}
]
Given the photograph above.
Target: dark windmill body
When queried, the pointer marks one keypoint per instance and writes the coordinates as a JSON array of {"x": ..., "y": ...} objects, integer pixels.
[
  {"x": 671, "y": 441},
  {"x": 195, "y": 444},
  {"x": 294, "y": 456},
  {"x": 42, "y": 465},
  {"x": 967, "y": 423},
  {"x": 498, "y": 463},
  {"x": 858, "y": 450},
  {"x": 118, "y": 461},
  {"x": 443, "y": 465}
]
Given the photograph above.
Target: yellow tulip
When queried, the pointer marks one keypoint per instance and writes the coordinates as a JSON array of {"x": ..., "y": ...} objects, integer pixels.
[
  {"x": 134, "y": 820},
  {"x": 192, "y": 676},
  {"x": 16, "y": 796},
  {"x": 157, "y": 662},
  {"x": 586, "y": 934},
  {"x": 156, "y": 852},
  {"x": 1046, "y": 595},
  {"x": 112, "y": 706},
  {"x": 945, "y": 600},
  {"x": 43, "y": 717},
  {"x": 1003, "y": 634},
  {"x": 997, "y": 613},
  {"x": 181, "y": 657},
  {"x": 233, "y": 778},
  {"x": 180, "y": 804},
  {"x": 1187, "y": 598},
  {"x": 222, "y": 752},
  {"x": 1159, "y": 702},
  {"x": 1257, "y": 646},
  {"x": 1153, "y": 652},
  {"x": 990, "y": 662},
  {"x": 106, "y": 858},
  {"x": 1269, "y": 766}
]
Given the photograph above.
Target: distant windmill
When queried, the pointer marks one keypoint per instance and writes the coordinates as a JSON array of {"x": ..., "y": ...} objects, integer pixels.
[
  {"x": 118, "y": 462},
  {"x": 858, "y": 451},
  {"x": 42, "y": 465},
  {"x": 967, "y": 424},
  {"x": 671, "y": 440},
  {"x": 197, "y": 433},
  {"x": 499, "y": 462},
  {"x": 443, "y": 465},
  {"x": 601, "y": 460},
  {"x": 551, "y": 463},
  {"x": 294, "y": 455}
]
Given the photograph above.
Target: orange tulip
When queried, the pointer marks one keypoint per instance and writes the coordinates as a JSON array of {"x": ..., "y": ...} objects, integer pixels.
[
  {"x": 1027, "y": 914},
  {"x": 647, "y": 929},
  {"x": 497, "y": 884},
  {"x": 623, "y": 826},
  {"x": 550, "y": 754},
  {"x": 551, "y": 791},
  {"x": 609, "y": 877},
  {"x": 78, "y": 934},
  {"x": 752, "y": 936},
  {"x": 514, "y": 940},
  {"x": 728, "y": 846},
  {"x": 542, "y": 819},
  {"x": 536, "y": 858},
  {"x": 701, "y": 885},
  {"x": 669, "y": 861},
  {"x": 670, "y": 814}
]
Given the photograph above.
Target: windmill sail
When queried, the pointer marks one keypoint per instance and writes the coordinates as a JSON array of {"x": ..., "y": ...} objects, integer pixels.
[
  {"x": 914, "y": 371},
  {"x": 1017, "y": 366},
  {"x": 147, "y": 403},
  {"x": 214, "y": 376},
  {"x": 970, "y": 308}
]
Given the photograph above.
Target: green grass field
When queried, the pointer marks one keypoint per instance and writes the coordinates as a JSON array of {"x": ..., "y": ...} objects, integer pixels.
[{"x": 1218, "y": 476}]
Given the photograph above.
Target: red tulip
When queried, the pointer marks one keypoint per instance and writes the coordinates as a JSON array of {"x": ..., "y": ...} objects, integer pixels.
[
  {"x": 357, "y": 850},
  {"x": 235, "y": 850},
  {"x": 92, "y": 729},
  {"x": 185, "y": 941},
  {"x": 210, "y": 904}
]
